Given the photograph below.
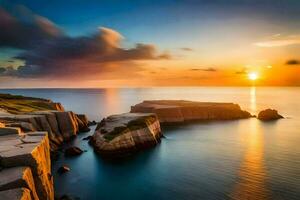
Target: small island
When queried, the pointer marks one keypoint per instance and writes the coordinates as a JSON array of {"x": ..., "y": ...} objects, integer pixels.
[
  {"x": 178, "y": 111},
  {"x": 123, "y": 134}
]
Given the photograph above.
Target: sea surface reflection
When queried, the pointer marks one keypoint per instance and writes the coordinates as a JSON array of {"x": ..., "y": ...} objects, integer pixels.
[{"x": 243, "y": 159}]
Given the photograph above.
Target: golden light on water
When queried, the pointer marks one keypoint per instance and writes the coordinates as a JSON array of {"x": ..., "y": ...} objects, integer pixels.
[{"x": 251, "y": 183}]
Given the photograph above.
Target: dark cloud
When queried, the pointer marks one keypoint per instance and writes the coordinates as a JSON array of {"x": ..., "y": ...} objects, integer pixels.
[
  {"x": 293, "y": 62},
  {"x": 186, "y": 49},
  {"x": 48, "y": 52},
  {"x": 242, "y": 71},
  {"x": 208, "y": 69},
  {"x": 26, "y": 30}
]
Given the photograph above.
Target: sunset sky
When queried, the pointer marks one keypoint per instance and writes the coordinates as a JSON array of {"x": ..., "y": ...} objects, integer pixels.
[{"x": 128, "y": 43}]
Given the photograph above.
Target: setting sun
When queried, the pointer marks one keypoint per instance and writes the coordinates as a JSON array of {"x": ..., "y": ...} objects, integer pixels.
[{"x": 253, "y": 76}]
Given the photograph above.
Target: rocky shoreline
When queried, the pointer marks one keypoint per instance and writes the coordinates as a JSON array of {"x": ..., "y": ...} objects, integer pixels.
[
  {"x": 32, "y": 131},
  {"x": 28, "y": 136}
]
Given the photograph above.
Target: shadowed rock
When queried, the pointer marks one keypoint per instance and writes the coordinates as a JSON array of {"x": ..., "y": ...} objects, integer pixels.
[
  {"x": 120, "y": 135},
  {"x": 63, "y": 169},
  {"x": 16, "y": 194},
  {"x": 18, "y": 177},
  {"x": 73, "y": 151},
  {"x": 172, "y": 111},
  {"x": 269, "y": 115},
  {"x": 30, "y": 150},
  {"x": 9, "y": 130}
]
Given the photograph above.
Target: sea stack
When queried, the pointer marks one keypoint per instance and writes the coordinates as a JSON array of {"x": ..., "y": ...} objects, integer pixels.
[
  {"x": 269, "y": 115},
  {"x": 178, "y": 111},
  {"x": 121, "y": 135}
]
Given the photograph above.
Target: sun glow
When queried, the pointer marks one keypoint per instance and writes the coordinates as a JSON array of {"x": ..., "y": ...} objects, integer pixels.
[{"x": 253, "y": 76}]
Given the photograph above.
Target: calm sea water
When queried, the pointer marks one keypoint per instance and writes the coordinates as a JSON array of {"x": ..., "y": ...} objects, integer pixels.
[{"x": 243, "y": 159}]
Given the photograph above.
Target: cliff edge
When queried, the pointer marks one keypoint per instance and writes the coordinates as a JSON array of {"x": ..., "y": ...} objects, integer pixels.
[
  {"x": 176, "y": 111},
  {"x": 31, "y": 129}
]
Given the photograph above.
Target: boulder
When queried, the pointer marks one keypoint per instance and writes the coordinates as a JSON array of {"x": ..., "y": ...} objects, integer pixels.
[
  {"x": 63, "y": 169},
  {"x": 92, "y": 123},
  {"x": 18, "y": 177},
  {"x": 30, "y": 150},
  {"x": 174, "y": 111},
  {"x": 73, "y": 151},
  {"x": 269, "y": 115},
  {"x": 121, "y": 135}
]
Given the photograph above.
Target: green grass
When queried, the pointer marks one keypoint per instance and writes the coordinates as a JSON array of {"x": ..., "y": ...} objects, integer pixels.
[
  {"x": 17, "y": 104},
  {"x": 136, "y": 124}
]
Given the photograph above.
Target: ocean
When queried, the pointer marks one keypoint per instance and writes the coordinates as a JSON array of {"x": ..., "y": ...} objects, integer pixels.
[{"x": 241, "y": 159}]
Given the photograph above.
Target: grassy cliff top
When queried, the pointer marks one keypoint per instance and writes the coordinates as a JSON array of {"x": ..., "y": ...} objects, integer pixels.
[
  {"x": 17, "y": 104},
  {"x": 117, "y": 125}
]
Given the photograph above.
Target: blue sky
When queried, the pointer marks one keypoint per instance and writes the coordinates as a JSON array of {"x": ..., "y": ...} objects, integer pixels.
[{"x": 222, "y": 34}]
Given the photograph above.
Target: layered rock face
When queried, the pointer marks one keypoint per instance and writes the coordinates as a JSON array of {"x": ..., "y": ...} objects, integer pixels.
[
  {"x": 269, "y": 115},
  {"x": 120, "y": 135},
  {"x": 31, "y": 128},
  {"x": 61, "y": 125},
  {"x": 174, "y": 111},
  {"x": 26, "y": 166}
]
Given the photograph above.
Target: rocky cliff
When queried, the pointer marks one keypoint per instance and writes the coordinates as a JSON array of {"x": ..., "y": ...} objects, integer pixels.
[
  {"x": 30, "y": 129},
  {"x": 25, "y": 166},
  {"x": 120, "y": 135},
  {"x": 172, "y": 111}
]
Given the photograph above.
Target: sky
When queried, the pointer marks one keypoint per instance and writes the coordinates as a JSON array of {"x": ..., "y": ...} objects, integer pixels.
[{"x": 149, "y": 43}]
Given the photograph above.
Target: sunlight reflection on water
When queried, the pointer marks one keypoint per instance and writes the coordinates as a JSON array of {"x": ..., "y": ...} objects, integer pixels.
[{"x": 252, "y": 174}]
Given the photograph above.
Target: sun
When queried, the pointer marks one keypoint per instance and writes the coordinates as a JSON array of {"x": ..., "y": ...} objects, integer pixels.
[{"x": 253, "y": 76}]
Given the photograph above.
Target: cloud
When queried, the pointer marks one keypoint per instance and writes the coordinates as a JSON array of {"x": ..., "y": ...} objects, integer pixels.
[
  {"x": 208, "y": 69},
  {"x": 242, "y": 71},
  {"x": 279, "y": 41},
  {"x": 20, "y": 33},
  {"x": 48, "y": 52},
  {"x": 293, "y": 62},
  {"x": 186, "y": 49}
]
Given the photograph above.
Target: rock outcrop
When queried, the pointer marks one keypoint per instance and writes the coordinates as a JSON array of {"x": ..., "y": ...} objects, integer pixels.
[
  {"x": 120, "y": 135},
  {"x": 31, "y": 129},
  {"x": 61, "y": 125},
  {"x": 269, "y": 115},
  {"x": 174, "y": 111},
  {"x": 26, "y": 166}
]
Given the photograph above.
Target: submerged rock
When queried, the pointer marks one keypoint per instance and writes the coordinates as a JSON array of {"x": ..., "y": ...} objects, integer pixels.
[
  {"x": 172, "y": 111},
  {"x": 87, "y": 138},
  {"x": 63, "y": 169},
  {"x": 269, "y": 115},
  {"x": 73, "y": 151},
  {"x": 120, "y": 135}
]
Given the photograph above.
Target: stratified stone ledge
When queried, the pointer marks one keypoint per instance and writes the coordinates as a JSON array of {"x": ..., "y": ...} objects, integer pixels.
[
  {"x": 30, "y": 150},
  {"x": 174, "y": 111},
  {"x": 121, "y": 135},
  {"x": 18, "y": 177},
  {"x": 16, "y": 194}
]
